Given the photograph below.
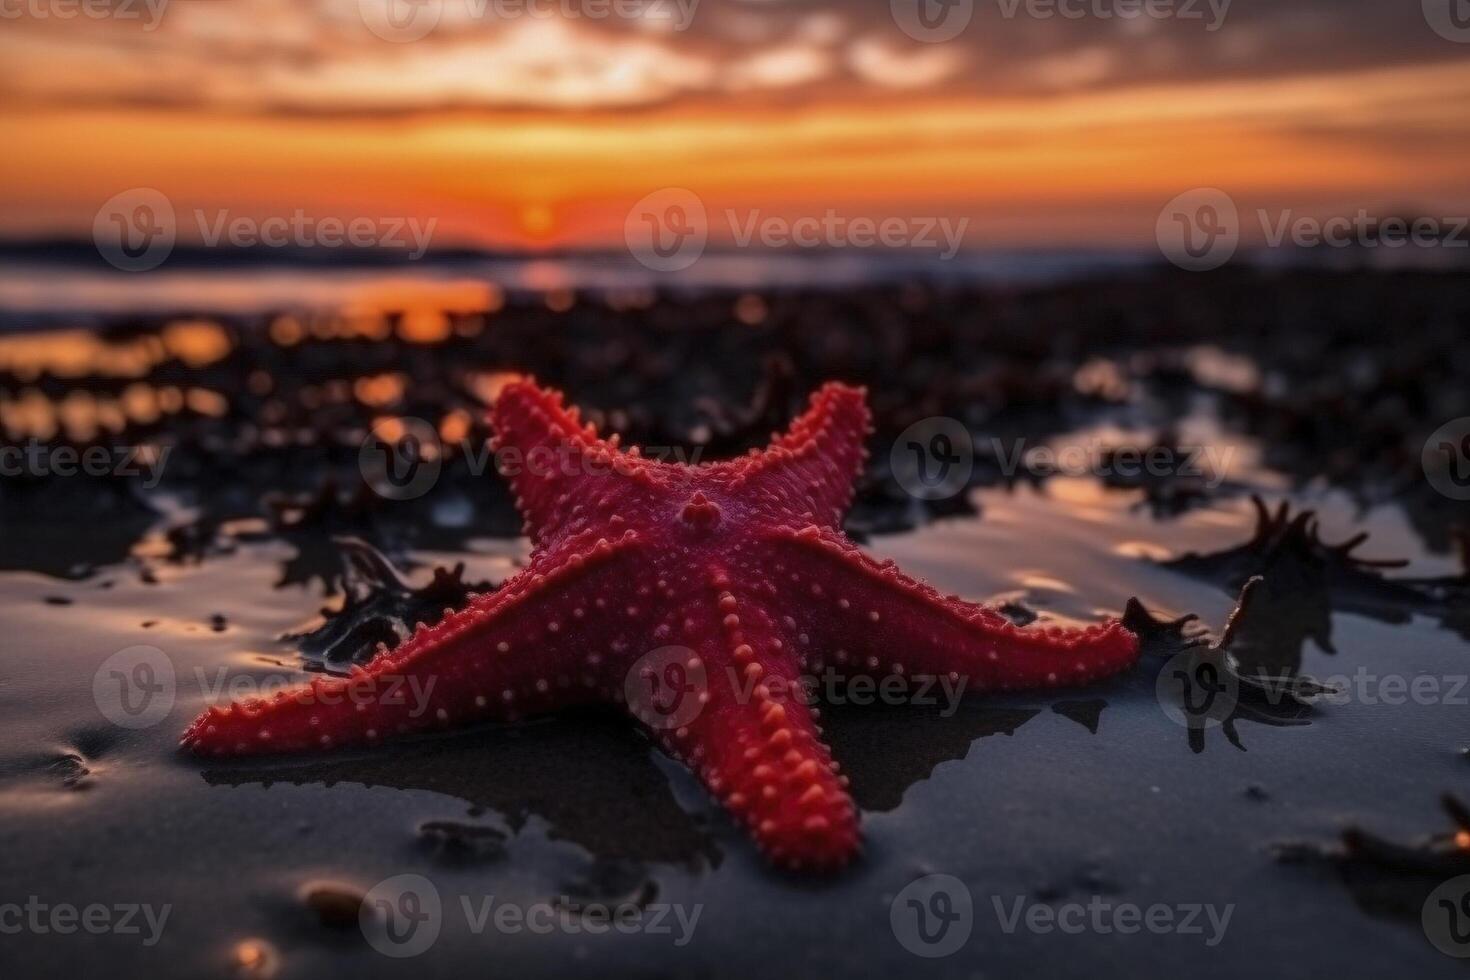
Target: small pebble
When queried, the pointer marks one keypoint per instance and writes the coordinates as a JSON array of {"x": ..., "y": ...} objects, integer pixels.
[{"x": 336, "y": 905}]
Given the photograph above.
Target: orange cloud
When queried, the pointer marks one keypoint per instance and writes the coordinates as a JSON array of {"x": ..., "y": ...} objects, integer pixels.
[{"x": 1061, "y": 162}]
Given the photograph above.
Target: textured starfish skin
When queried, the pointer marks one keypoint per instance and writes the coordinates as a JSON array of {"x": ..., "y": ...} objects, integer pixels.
[{"x": 739, "y": 565}]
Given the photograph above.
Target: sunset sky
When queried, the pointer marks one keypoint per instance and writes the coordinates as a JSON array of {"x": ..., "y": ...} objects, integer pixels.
[{"x": 534, "y": 131}]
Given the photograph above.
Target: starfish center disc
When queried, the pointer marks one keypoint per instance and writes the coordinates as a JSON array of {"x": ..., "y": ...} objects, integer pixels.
[{"x": 700, "y": 511}]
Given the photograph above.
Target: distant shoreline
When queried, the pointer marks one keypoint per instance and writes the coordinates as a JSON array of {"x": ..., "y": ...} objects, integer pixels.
[{"x": 43, "y": 284}]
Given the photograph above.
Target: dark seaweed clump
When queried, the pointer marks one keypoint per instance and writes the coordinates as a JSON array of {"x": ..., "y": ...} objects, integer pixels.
[
  {"x": 1306, "y": 579},
  {"x": 1223, "y": 682},
  {"x": 380, "y": 608}
]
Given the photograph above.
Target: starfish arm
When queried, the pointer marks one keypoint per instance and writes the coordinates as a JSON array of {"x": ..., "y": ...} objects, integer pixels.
[
  {"x": 811, "y": 468},
  {"x": 517, "y": 651},
  {"x": 753, "y": 739},
  {"x": 860, "y": 615},
  {"x": 564, "y": 476}
]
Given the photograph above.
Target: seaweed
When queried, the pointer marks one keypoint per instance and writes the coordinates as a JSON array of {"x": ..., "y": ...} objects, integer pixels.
[
  {"x": 1387, "y": 877},
  {"x": 1308, "y": 579},
  {"x": 380, "y": 607},
  {"x": 1221, "y": 683}
]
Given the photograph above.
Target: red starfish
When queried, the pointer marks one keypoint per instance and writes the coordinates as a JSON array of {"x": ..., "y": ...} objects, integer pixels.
[{"x": 725, "y": 581}]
